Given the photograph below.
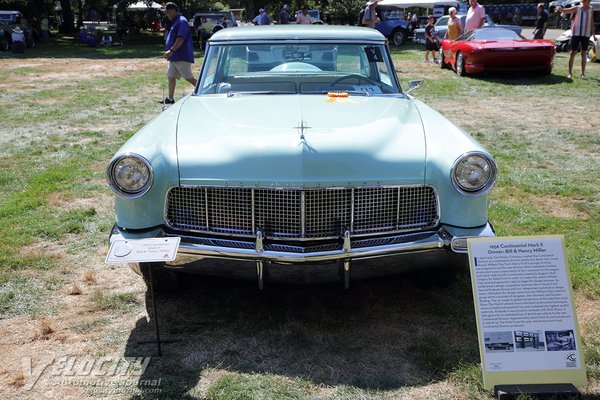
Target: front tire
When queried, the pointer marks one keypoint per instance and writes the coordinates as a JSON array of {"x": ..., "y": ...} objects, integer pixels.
[
  {"x": 398, "y": 37},
  {"x": 460, "y": 65}
]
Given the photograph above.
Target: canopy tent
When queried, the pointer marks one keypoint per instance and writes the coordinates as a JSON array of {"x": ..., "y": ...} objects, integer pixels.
[
  {"x": 417, "y": 3},
  {"x": 144, "y": 5}
]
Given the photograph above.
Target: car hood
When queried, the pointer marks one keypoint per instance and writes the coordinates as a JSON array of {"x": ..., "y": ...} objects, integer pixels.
[{"x": 259, "y": 140}]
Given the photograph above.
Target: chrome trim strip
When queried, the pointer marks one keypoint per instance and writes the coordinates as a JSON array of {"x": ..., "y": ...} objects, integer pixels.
[
  {"x": 303, "y": 214},
  {"x": 252, "y": 194},
  {"x": 435, "y": 242}
]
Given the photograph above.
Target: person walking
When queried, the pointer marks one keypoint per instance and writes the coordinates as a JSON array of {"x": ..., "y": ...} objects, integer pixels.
[
  {"x": 370, "y": 18},
  {"x": 475, "y": 16},
  {"x": 583, "y": 28},
  {"x": 541, "y": 22},
  {"x": 179, "y": 50},
  {"x": 283, "y": 18},
  {"x": 45, "y": 28},
  {"x": 454, "y": 26},
  {"x": 431, "y": 40},
  {"x": 264, "y": 18}
]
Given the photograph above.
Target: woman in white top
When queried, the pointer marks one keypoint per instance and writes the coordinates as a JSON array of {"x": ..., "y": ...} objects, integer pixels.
[{"x": 303, "y": 17}]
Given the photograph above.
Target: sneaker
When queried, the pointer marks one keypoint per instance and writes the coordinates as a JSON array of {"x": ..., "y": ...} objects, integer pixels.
[
  {"x": 583, "y": 76},
  {"x": 168, "y": 100},
  {"x": 569, "y": 76},
  {"x": 435, "y": 61}
]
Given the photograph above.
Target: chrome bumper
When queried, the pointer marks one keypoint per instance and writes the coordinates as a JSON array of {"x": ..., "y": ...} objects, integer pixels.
[{"x": 445, "y": 238}]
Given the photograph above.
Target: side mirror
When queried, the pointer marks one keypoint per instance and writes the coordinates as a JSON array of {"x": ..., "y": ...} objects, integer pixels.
[{"x": 412, "y": 85}]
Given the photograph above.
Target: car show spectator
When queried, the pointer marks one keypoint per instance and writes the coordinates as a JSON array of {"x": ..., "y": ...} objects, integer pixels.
[
  {"x": 265, "y": 19},
  {"x": 541, "y": 22},
  {"x": 475, "y": 16},
  {"x": 180, "y": 50},
  {"x": 454, "y": 26},
  {"x": 583, "y": 28},
  {"x": 303, "y": 17},
  {"x": 431, "y": 40},
  {"x": 18, "y": 40},
  {"x": 370, "y": 18},
  {"x": 517, "y": 17},
  {"x": 45, "y": 28},
  {"x": 283, "y": 18},
  {"x": 257, "y": 20}
]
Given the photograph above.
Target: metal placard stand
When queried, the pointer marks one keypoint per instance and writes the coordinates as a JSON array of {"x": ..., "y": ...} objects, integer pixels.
[{"x": 157, "y": 339}]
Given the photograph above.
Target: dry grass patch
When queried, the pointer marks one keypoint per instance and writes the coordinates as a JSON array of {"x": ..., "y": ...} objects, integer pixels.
[
  {"x": 18, "y": 380},
  {"x": 74, "y": 290},
  {"x": 89, "y": 277},
  {"x": 553, "y": 205}
]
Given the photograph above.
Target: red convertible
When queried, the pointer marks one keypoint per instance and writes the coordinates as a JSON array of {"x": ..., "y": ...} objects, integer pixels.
[{"x": 495, "y": 50}]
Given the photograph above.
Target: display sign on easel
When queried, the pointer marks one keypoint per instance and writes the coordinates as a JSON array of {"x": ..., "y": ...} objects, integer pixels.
[{"x": 526, "y": 320}]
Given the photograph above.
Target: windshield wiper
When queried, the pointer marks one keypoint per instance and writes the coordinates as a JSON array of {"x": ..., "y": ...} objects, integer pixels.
[{"x": 233, "y": 93}]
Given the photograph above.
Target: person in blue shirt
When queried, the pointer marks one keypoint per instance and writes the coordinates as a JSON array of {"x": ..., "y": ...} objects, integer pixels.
[
  {"x": 179, "y": 50},
  {"x": 264, "y": 18}
]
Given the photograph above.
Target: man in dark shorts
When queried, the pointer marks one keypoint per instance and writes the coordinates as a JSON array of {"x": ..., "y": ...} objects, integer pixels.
[
  {"x": 541, "y": 22},
  {"x": 431, "y": 40},
  {"x": 583, "y": 28}
]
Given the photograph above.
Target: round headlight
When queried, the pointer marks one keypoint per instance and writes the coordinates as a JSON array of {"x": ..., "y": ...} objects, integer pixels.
[
  {"x": 474, "y": 173},
  {"x": 129, "y": 175}
]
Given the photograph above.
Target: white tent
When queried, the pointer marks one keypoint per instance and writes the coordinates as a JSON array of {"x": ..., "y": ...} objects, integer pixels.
[
  {"x": 143, "y": 5},
  {"x": 417, "y": 3}
]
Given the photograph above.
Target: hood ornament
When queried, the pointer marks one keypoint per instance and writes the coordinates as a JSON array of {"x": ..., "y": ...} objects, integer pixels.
[{"x": 302, "y": 126}]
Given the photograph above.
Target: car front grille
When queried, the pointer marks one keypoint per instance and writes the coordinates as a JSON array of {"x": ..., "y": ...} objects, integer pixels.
[{"x": 297, "y": 214}]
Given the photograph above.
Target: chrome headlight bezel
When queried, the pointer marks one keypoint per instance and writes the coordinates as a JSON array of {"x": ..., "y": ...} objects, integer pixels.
[
  {"x": 123, "y": 191},
  {"x": 489, "y": 182}
]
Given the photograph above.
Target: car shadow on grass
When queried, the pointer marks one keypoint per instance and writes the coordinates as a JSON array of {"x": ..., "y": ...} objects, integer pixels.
[
  {"x": 382, "y": 334},
  {"x": 524, "y": 79}
]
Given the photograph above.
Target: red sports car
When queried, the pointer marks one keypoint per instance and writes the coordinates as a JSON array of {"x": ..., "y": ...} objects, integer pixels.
[{"x": 494, "y": 50}]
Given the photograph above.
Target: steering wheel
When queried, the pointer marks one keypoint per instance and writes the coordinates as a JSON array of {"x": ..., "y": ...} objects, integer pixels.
[{"x": 358, "y": 77}]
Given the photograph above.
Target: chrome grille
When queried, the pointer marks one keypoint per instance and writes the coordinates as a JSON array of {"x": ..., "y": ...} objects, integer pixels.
[{"x": 302, "y": 214}]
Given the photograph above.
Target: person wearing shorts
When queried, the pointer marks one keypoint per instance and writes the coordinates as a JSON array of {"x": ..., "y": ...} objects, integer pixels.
[
  {"x": 583, "y": 28},
  {"x": 431, "y": 40},
  {"x": 179, "y": 51}
]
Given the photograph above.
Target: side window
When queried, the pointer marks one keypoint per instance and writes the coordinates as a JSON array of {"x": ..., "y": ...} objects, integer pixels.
[{"x": 210, "y": 71}]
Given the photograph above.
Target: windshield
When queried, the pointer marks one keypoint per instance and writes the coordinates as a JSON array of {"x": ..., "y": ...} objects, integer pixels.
[
  {"x": 298, "y": 68},
  {"x": 442, "y": 21},
  {"x": 491, "y": 34}
]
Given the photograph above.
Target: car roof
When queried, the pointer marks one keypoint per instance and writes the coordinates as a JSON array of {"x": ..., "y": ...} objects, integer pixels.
[{"x": 297, "y": 32}]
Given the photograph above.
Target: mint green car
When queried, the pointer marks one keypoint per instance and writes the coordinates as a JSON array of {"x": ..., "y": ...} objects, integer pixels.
[{"x": 299, "y": 147}]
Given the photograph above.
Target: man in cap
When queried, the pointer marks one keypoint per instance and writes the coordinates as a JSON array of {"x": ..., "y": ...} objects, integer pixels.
[
  {"x": 283, "y": 18},
  {"x": 179, "y": 50},
  {"x": 370, "y": 17},
  {"x": 18, "y": 40}
]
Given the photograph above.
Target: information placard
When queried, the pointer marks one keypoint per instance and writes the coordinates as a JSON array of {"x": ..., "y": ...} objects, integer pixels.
[
  {"x": 143, "y": 250},
  {"x": 526, "y": 321}
]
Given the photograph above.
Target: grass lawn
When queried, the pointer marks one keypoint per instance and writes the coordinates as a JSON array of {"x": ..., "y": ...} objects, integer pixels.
[{"x": 64, "y": 111}]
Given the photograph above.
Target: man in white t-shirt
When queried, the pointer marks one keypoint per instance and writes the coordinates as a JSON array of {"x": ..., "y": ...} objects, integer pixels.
[{"x": 475, "y": 16}]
